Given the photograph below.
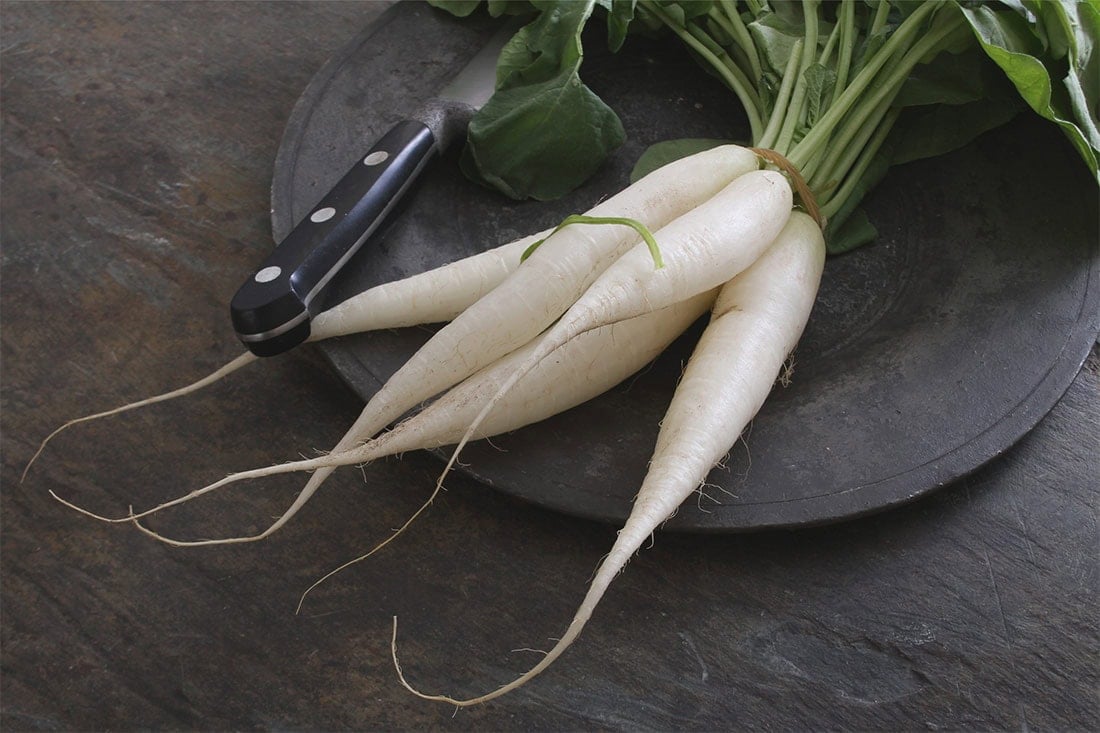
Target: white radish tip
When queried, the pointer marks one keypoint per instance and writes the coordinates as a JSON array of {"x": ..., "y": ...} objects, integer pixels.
[
  {"x": 394, "y": 535},
  {"x": 219, "y": 373}
]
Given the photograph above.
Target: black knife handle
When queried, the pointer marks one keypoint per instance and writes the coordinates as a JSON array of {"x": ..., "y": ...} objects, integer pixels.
[{"x": 271, "y": 311}]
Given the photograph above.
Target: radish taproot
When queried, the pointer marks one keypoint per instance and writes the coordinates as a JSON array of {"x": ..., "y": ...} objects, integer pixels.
[
  {"x": 542, "y": 288},
  {"x": 755, "y": 324},
  {"x": 438, "y": 295},
  {"x": 578, "y": 371},
  {"x": 547, "y": 283},
  {"x": 702, "y": 249}
]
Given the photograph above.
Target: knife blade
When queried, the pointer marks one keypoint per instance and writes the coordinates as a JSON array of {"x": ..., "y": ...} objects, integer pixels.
[{"x": 271, "y": 311}]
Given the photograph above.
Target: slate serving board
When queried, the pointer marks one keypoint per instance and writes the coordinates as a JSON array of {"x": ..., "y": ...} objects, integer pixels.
[{"x": 927, "y": 354}]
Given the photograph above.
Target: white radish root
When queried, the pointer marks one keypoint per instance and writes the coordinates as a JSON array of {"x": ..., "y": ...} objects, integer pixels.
[
  {"x": 434, "y": 296},
  {"x": 757, "y": 320},
  {"x": 581, "y": 369},
  {"x": 218, "y": 374},
  {"x": 702, "y": 249},
  {"x": 538, "y": 292}
]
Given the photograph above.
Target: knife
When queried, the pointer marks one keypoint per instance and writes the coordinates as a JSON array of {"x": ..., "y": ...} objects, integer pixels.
[{"x": 271, "y": 311}]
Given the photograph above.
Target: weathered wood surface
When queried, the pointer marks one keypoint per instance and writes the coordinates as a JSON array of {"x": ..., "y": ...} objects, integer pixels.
[{"x": 138, "y": 140}]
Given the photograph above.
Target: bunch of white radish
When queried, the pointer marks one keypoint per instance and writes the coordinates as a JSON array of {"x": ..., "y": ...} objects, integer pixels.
[{"x": 586, "y": 309}]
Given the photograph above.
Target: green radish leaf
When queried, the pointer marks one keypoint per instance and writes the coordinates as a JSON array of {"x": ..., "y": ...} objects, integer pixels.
[
  {"x": 663, "y": 153},
  {"x": 925, "y": 132},
  {"x": 775, "y": 36},
  {"x": 865, "y": 51},
  {"x": 546, "y": 48},
  {"x": 519, "y": 58},
  {"x": 619, "y": 15},
  {"x": 1071, "y": 31},
  {"x": 844, "y": 230},
  {"x": 788, "y": 13},
  {"x": 819, "y": 86},
  {"x": 498, "y": 8},
  {"x": 574, "y": 130},
  {"x": 954, "y": 79},
  {"x": 688, "y": 10},
  {"x": 1049, "y": 24},
  {"x": 458, "y": 8},
  {"x": 543, "y": 132},
  {"x": 854, "y": 232},
  {"x": 949, "y": 102},
  {"x": 1009, "y": 40}
]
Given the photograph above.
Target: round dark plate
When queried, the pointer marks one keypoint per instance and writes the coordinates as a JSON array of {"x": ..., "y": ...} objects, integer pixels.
[{"x": 928, "y": 353}]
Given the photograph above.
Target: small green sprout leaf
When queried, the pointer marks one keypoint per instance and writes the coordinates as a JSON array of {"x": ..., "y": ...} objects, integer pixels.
[{"x": 634, "y": 224}]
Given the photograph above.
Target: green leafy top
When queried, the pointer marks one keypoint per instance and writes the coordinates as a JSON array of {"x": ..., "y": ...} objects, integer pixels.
[
  {"x": 842, "y": 89},
  {"x": 539, "y": 94},
  {"x": 1045, "y": 47}
]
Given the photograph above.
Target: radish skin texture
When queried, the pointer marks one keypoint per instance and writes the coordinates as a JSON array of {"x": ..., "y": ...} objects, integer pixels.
[
  {"x": 548, "y": 282},
  {"x": 433, "y": 296},
  {"x": 702, "y": 249},
  {"x": 756, "y": 322},
  {"x": 538, "y": 292},
  {"x": 583, "y": 368}
]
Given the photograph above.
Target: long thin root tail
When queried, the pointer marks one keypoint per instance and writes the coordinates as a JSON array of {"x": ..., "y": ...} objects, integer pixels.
[
  {"x": 546, "y": 347},
  {"x": 393, "y": 535},
  {"x": 323, "y": 465},
  {"x": 615, "y": 562},
  {"x": 234, "y": 365},
  {"x": 233, "y": 478},
  {"x": 323, "y": 470}
]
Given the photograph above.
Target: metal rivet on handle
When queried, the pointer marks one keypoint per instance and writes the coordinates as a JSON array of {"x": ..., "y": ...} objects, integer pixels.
[
  {"x": 376, "y": 157},
  {"x": 268, "y": 274},
  {"x": 322, "y": 215}
]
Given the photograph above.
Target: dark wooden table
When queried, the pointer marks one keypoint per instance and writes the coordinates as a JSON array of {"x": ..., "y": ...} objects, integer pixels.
[{"x": 138, "y": 141}]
